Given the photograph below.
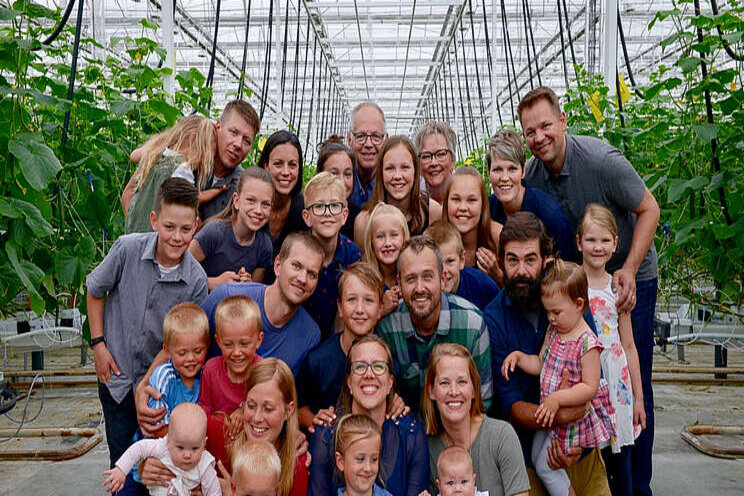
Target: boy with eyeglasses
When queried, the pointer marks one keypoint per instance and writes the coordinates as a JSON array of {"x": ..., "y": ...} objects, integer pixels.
[{"x": 325, "y": 213}]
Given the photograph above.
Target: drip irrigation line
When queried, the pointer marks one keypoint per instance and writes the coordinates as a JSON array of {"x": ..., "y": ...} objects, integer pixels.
[
  {"x": 210, "y": 75},
  {"x": 474, "y": 134},
  {"x": 284, "y": 53},
  {"x": 726, "y": 46},
  {"x": 294, "y": 79},
  {"x": 62, "y": 23},
  {"x": 304, "y": 76},
  {"x": 532, "y": 37},
  {"x": 709, "y": 114},
  {"x": 361, "y": 47},
  {"x": 477, "y": 71},
  {"x": 625, "y": 56},
  {"x": 267, "y": 61},
  {"x": 405, "y": 64},
  {"x": 563, "y": 46},
  {"x": 506, "y": 58},
  {"x": 245, "y": 50},
  {"x": 527, "y": 44},
  {"x": 312, "y": 95}
]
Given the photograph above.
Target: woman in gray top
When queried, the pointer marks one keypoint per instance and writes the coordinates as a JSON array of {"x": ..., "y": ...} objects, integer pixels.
[{"x": 452, "y": 409}]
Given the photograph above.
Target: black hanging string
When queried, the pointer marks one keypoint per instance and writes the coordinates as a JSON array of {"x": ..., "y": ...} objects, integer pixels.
[
  {"x": 532, "y": 37},
  {"x": 446, "y": 96},
  {"x": 625, "y": 55},
  {"x": 73, "y": 72},
  {"x": 62, "y": 23},
  {"x": 245, "y": 50},
  {"x": 294, "y": 79},
  {"x": 527, "y": 45},
  {"x": 452, "y": 92},
  {"x": 284, "y": 51},
  {"x": 267, "y": 61},
  {"x": 477, "y": 71},
  {"x": 304, "y": 79},
  {"x": 331, "y": 83},
  {"x": 210, "y": 75},
  {"x": 509, "y": 49},
  {"x": 563, "y": 46},
  {"x": 319, "y": 129},
  {"x": 726, "y": 46},
  {"x": 312, "y": 96},
  {"x": 506, "y": 58},
  {"x": 465, "y": 119},
  {"x": 488, "y": 42},
  {"x": 474, "y": 134},
  {"x": 568, "y": 33}
]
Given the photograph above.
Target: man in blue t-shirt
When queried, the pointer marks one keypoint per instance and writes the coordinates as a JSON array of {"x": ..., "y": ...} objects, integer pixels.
[{"x": 289, "y": 331}]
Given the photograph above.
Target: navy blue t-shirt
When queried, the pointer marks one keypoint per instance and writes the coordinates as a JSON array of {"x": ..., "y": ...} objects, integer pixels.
[
  {"x": 319, "y": 385},
  {"x": 477, "y": 287},
  {"x": 223, "y": 252}
]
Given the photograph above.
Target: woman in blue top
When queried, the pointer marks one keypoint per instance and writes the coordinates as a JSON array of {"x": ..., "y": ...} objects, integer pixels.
[{"x": 368, "y": 389}]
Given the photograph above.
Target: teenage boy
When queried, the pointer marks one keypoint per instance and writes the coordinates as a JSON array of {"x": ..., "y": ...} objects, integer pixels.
[
  {"x": 359, "y": 307},
  {"x": 142, "y": 277},
  {"x": 325, "y": 214},
  {"x": 469, "y": 283}
]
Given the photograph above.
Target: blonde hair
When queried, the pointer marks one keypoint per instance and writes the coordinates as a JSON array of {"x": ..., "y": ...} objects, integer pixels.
[
  {"x": 443, "y": 233},
  {"x": 600, "y": 215},
  {"x": 366, "y": 273},
  {"x": 432, "y": 128},
  {"x": 256, "y": 458},
  {"x": 323, "y": 181},
  {"x": 566, "y": 278},
  {"x": 273, "y": 369},
  {"x": 381, "y": 209},
  {"x": 185, "y": 318},
  {"x": 452, "y": 455},
  {"x": 354, "y": 428},
  {"x": 237, "y": 308},
  {"x": 193, "y": 136},
  {"x": 429, "y": 411}
]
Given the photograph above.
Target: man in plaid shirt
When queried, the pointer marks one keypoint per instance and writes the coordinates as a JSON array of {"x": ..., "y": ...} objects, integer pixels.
[{"x": 428, "y": 316}]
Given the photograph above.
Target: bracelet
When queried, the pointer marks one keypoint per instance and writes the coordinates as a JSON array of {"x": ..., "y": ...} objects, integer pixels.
[{"x": 95, "y": 341}]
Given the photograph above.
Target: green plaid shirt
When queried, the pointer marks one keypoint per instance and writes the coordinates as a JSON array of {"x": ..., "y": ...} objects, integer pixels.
[{"x": 460, "y": 322}]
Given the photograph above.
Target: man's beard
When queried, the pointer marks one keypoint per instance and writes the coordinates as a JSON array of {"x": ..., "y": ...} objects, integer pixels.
[{"x": 524, "y": 298}]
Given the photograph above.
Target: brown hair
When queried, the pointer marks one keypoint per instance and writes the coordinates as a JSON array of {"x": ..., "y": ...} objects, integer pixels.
[
  {"x": 331, "y": 146},
  {"x": 345, "y": 398},
  {"x": 416, "y": 200},
  {"x": 506, "y": 144},
  {"x": 185, "y": 318},
  {"x": 244, "y": 110},
  {"x": 600, "y": 215},
  {"x": 237, "y": 308},
  {"x": 485, "y": 238},
  {"x": 534, "y": 96},
  {"x": 177, "y": 191},
  {"x": 366, "y": 273},
  {"x": 566, "y": 278},
  {"x": 522, "y": 226},
  {"x": 418, "y": 244},
  {"x": 443, "y": 233},
  {"x": 352, "y": 428},
  {"x": 230, "y": 213},
  {"x": 429, "y": 411},
  {"x": 304, "y": 237}
]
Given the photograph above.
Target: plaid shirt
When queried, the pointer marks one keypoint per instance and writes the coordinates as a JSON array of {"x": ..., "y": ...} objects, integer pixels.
[{"x": 460, "y": 322}]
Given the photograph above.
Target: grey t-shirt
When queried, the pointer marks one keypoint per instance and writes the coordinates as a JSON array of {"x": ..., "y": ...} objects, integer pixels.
[
  {"x": 223, "y": 252},
  {"x": 595, "y": 172},
  {"x": 219, "y": 202},
  {"x": 497, "y": 459}
]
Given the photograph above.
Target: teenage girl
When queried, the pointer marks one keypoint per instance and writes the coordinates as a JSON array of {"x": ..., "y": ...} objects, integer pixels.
[
  {"x": 233, "y": 246},
  {"x": 338, "y": 159},
  {"x": 570, "y": 345},
  {"x": 357, "y": 445},
  {"x": 597, "y": 241},
  {"x": 397, "y": 183},
  {"x": 384, "y": 236}
]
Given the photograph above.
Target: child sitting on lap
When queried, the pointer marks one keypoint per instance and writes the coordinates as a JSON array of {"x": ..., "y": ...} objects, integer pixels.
[{"x": 455, "y": 474}]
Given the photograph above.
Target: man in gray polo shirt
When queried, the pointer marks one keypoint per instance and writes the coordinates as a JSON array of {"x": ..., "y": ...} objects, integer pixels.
[{"x": 578, "y": 170}]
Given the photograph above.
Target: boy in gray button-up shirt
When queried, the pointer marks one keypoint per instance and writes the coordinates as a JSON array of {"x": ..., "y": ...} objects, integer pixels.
[{"x": 129, "y": 293}]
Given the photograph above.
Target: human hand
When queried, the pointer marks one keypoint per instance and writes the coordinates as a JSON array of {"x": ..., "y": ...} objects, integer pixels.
[
  {"x": 639, "y": 413},
  {"x": 197, "y": 491},
  {"x": 225, "y": 479},
  {"x": 488, "y": 262},
  {"x": 545, "y": 413},
  {"x": 390, "y": 300},
  {"x": 104, "y": 363},
  {"x": 624, "y": 286},
  {"x": 234, "y": 423},
  {"x": 557, "y": 459},
  {"x": 325, "y": 416},
  {"x": 210, "y": 194},
  {"x": 424, "y": 493},
  {"x": 226, "y": 277},
  {"x": 398, "y": 408},
  {"x": 147, "y": 417},
  {"x": 115, "y": 480},
  {"x": 244, "y": 275},
  {"x": 302, "y": 449},
  {"x": 154, "y": 473},
  {"x": 511, "y": 362}
]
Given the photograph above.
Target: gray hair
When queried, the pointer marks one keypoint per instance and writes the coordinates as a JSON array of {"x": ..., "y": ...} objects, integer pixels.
[
  {"x": 362, "y": 105},
  {"x": 437, "y": 127},
  {"x": 506, "y": 144}
]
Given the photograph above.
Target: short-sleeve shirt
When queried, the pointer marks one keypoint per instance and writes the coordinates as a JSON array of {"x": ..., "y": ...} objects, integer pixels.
[
  {"x": 549, "y": 211},
  {"x": 595, "y": 172},
  {"x": 459, "y": 322},
  {"x": 477, "y": 287},
  {"x": 167, "y": 381},
  {"x": 497, "y": 459},
  {"x": 290, "y": 343},
  {"x": 138, "y": 296},
  {"x": 294, "y": 223},
  {"x": 322, "y": 377},
  {"x": 222, "y": 251},
  {"x": 322, "y": 303},
  {"x": 219, "y": 202}
]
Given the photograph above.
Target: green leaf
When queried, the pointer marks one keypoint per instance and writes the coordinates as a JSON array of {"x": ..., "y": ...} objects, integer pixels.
[
  {"x": 8, "y": 14},
  {"x": 146, "y": 23},
  {"x": 677, "y": 187},
  {"x": 723, "y": 232},
  {"x": 686, "y": 232},
  {"x": 34, "y": 10},
  {"x": 707, "y": 132},
  {"x": 688, "y": 64},
  {"x": 32, "y": 217},
  {"x": 38, "y": 163},
  {"x": 121, "y": 107},
  {"x": 168, "y": 111},
  {"x": 8, "y": 210},
  {"x": 22, "y": 271},
  {"x": 71, "y": 264}
]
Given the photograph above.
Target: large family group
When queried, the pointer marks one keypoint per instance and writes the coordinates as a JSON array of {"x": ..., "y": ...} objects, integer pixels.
[{"x": 390, "y": 328}]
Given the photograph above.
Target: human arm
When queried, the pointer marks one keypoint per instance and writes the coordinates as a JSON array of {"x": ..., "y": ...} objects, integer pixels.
[
  {"x": 390, "y": 300},
  {"x": 481, "y": 353},
  {"x": 258, "y": 275},
  {"x": 128, "y": 194},
  {"x": 320, "y": 481},
  {"x": 435, "y": 211},
  {"x": 147, "y": 417},
  {"x": 226, "y": 277},
  {"x": 398, "y": 408},
  {"x": 506, "y": 451},
  {"x": 557, "y": 459},
  {"x": 115, "y": 480},
  {"x": 104, "y": 362},
  {"x": 152, "y": 472},
  {"x": 207, "y": 195},
  {"x": 523, "y": 412},
  {"x": 527, "y": 363},
  {"x": 625, "y": 330},
  {"x": 210, "y": 484}
]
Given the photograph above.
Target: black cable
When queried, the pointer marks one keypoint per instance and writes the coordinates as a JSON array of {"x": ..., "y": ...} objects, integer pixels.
[
  {"x": 625, "y": 56},
  {"x": 245, "y": 50},
  {"x": 312, "y": 95},
  {"x": 477, "y": 71},
  {"x": 726, "y": 46},
  {"x": 321, "y": 90},
  {"x": 210, "y": 75},
  {"x": 73, "y": 72},
  {"x": 509, "y": 51},
  {"x": 446, "y": 97},
  {"x": 506, "y": 58},
  {"x": 459, "y": 90},
  {"x": 488, "y": 43},
  {"x": 454, "y": 108},
  {"x": 437, "y": 100},
  {"x": 304, "y": 79},
  {"x": 62, "y": 23},
  {"x": 294, "y": 79},
  {"x": 527, "y": 45},
  {"x": 532, "y": 36},
  {"x": 563, "y": 46},
  {"x": 331, "y": 83},
  {"x": 267, "y": 62},
  {"x": 474, "y": 139},
  {"x": 284, "y": 51},
  {"x": 568, "y": 33}
]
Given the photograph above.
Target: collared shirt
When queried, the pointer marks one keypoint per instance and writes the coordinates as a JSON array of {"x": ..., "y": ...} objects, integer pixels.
[
  {"x": 219, "y": 202},
  {"x": 360, "y": 194},
  {"x": 322, "y": 303},
  {"x": 322, "y": 377},
  {"x": 477, "y": 287},
  {"x": 459, "y": 322},
  {"x": 549, "y": 211},
  {"x": 138, "y": 297}
]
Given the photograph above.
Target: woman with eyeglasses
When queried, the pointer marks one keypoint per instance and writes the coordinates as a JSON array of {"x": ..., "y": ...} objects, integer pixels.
[
  {"x": 436, "y": 142},
  {"x": 368, "y": 389}
]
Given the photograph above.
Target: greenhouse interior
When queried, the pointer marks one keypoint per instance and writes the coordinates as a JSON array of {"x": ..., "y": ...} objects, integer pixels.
[{"x": 643, "y": 118}]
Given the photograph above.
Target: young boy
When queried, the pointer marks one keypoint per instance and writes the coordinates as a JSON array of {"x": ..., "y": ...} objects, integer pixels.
[
  {"x": 325, "y": 214},
  {"x": 256, "y": 469},
  {"x": 359, "y": 307},
  {"x": 455, "y": 474},
  {"x": 141, "y": 278},
  {"x": 472, "y": 284}
]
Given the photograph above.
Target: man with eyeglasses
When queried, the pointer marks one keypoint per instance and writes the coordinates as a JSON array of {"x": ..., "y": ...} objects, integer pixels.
[
  {"x": 428, "y": 316},
  {"x": 366, "y": 138},
  {"x": 436, "y": 143}
]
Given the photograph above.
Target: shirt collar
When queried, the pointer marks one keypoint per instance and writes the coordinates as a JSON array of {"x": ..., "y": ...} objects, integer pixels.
[{"x": 182, "y": 273}]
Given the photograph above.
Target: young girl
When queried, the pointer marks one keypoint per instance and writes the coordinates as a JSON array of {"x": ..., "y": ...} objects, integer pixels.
[
  {"x": 232, "y": 246},
  {"x": 384, "y": 235},
  {"x": 466, "y": 208},
  {"x": 338, "y": 159},
  {"x": 597, "y": 241},
  {"x": 357, "y": 445},
  {"x": 398, "y": 184},
  {"x": 571, "y": 346},
  {"x": 186, "y": 150}
]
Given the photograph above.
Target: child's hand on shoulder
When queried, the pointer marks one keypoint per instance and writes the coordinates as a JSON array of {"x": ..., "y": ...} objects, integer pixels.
[
  {"x": 510, "y": 363},
  {"x": 545, "y": 414},
  {"x": 115, "y": 480}
]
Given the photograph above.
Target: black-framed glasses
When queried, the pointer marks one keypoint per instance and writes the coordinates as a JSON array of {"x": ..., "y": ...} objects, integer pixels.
[
  {"x": 379, "y": 367},
  {"x": 320, "y": 209},
  {"x": 375, "y": 138},
  {"x": 439, "y": 154}
]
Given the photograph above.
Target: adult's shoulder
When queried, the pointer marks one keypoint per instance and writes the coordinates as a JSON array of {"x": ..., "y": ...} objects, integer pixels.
[
  {"x": 319, "y": 357},
  {"x": 459, "y": 303},
  {"x": 497, "y": 307},
  {"x": 405, "y": 424}
]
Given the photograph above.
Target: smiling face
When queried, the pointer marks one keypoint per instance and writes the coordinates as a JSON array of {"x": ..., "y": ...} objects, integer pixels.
[
  {"x": 359, "y": 307},
  {"x": 284, "y": 167},
  {"x": 434, "y": 170},
  {"x": 187, "y": 351},
  {"x": 339, "y": 164},
  {"x": 367, "y": 120},
  {"x": 238, "y": 342},
  {"x": 186, "y": 444},
  {"x": 327, "y": 225},
  {"x": 398, "y": 173},
  {"x": 264, "y": 413},
  {"x": 464, "y": 203},
  {"x": 597, "y": 244},
  {"x": 387, "y": 238},
  {"x": 254, "y": 204},
  {"x": 452, "y": 264},
  {"x": 298, "y": 274},
  {"x": 506, "y": 179},
  {"x": 360, "y": 464},
  {"x": 368, "y": 390},
  {"x": 452, "y": 389},
  {"x": 421, "y": 284},
  {"x": 234, "y": 139},
  {"x": 545, "y": 133},
  {"x": 175, "y": 225}
]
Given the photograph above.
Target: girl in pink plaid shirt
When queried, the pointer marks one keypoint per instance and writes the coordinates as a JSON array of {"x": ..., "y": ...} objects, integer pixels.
[{"x": 570, "y": 346}]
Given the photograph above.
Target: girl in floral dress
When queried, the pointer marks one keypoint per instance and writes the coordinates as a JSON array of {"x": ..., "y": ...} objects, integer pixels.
[
  {"x": 597, "y": 241},
  {"x": 570, "y": 345}
]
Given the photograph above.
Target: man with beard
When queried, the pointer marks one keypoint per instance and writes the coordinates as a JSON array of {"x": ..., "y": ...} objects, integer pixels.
[
  {"x": 516, "y": 320},
  {"x": 428, "y": 316}
]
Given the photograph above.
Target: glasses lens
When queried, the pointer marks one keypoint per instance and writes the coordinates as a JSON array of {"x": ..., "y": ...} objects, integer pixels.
[
  {"x": 335, "y": 207},
  {"x": 442, "y": 154},
  {"x": 359, "y": 368},
  {"x": 379, "y": 368},
  {"x": 426, "y": 157}
]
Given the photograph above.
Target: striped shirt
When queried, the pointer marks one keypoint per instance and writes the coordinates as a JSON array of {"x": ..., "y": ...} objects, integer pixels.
[{"x": 168, "y": 383}]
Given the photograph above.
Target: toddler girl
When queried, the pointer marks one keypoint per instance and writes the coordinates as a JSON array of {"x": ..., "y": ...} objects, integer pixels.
[
  {"x": 233, "y": 246},
  {"x": 570, "y": 346},
  {"x": 384, "y": 235},
  {"x": 357, "y": 445},
  {"x": 597, "y": 241}
]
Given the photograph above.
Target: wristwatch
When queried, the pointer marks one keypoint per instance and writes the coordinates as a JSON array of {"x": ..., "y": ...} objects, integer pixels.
[{"x": 95, "y": 341}]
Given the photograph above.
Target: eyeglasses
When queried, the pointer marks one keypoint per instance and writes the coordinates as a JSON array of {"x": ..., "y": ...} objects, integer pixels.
[
  {"x": 375, "y": 138},
  {"x": 439, "y": 154},
  {"x": 320, "y": 209},
  {"x": 378, "y": 367}
]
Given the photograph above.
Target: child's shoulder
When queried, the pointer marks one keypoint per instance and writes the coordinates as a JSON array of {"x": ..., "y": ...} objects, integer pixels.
[{"x": 213, "y": 365}]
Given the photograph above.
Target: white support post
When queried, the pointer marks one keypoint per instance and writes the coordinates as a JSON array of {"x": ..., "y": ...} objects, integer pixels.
[
  {"x": 494, "y": 89},
  {"x": 278, "y": 83},
  {"x": 609, "y": 45},
  {"x": 166, "y": 27}
]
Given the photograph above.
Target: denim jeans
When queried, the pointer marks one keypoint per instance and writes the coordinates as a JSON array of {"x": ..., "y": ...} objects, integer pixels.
[
  {"x": 121, "y": 421},
  {"x": 619, "y": 473}
]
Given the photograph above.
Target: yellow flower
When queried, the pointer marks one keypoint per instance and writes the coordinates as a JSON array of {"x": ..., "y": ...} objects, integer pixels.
[
  {"x": 262, "y": 143},
  {"x": 137, "y": 56}
]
